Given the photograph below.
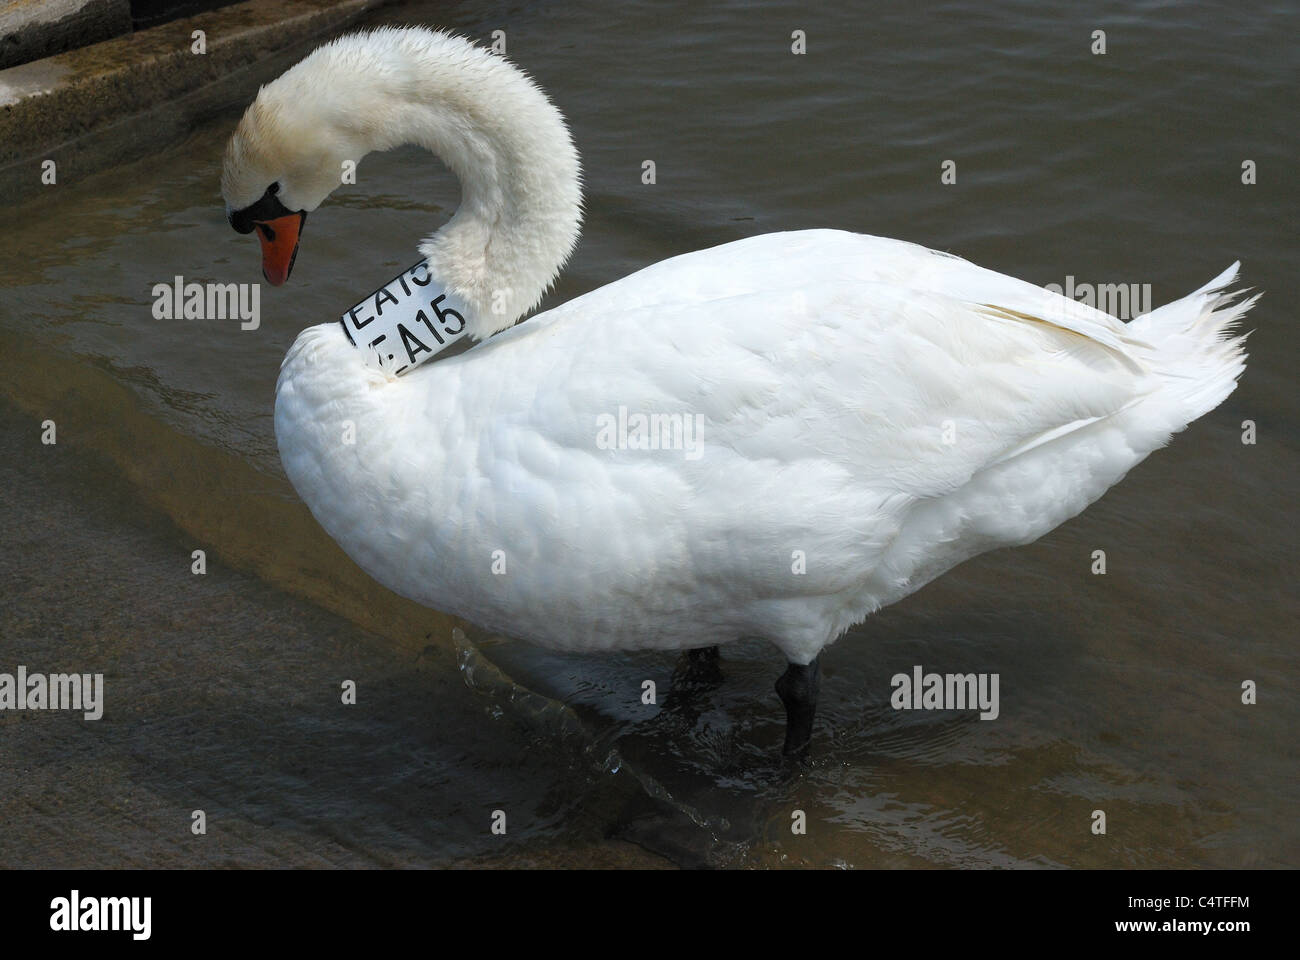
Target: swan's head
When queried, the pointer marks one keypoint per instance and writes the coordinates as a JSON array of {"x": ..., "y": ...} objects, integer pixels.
[
  {"x": 492, "y": 126},
  {"x": 284, "y": 159}
]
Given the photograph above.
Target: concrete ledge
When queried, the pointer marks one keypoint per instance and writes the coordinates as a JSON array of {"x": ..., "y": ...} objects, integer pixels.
[
  {"x": 120, "y": 99},
  {"x": 31, "y": 29}
]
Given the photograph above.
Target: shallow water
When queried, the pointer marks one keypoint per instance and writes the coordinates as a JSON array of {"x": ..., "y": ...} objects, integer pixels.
[{"x": 1119, "y": 693}]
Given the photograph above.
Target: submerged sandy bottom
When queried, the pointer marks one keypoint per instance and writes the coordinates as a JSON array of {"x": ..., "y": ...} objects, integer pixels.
[{"x": 222, "y": 694}]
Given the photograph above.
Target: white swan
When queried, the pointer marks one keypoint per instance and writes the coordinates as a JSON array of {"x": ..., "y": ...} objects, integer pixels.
[{"x": 870, "y": 412}]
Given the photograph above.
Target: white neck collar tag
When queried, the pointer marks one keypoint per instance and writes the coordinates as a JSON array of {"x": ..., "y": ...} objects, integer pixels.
[{"x": 405, "y": 322}]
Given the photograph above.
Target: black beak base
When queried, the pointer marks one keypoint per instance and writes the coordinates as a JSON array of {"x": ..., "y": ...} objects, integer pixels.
[{"x": 268, "y": 207}]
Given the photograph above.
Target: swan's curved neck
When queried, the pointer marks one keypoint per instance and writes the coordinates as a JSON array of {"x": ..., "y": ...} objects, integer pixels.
[{"x": 520, "y": 210}]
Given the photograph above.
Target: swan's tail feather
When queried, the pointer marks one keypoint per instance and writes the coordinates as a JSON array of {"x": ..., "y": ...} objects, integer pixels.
[{"x": 1196, "y": 349}]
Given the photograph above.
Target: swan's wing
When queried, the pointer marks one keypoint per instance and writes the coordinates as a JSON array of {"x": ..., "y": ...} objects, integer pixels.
[
  {"x": 808, "y": 259},
  {"x": 822, "y": 418},
  {"x": 893, "y": 366},
  {"x": 833, "y": 399}
]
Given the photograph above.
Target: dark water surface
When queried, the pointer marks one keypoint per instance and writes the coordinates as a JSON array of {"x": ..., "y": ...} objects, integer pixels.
[{"x": 1119, "y": 692}]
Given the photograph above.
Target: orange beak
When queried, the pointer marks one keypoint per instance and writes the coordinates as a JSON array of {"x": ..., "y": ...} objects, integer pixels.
[{"x": 279, "y": 245}]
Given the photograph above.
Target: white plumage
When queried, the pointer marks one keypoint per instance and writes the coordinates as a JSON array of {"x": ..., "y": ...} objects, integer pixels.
[{"x": 879, "y": 409}]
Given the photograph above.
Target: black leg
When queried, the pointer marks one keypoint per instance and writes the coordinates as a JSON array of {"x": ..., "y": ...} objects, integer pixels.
[
  {"x": 702, "y": 655},
  {"x": 700, "y": 667},
  {"x": 797, "y": 689}
]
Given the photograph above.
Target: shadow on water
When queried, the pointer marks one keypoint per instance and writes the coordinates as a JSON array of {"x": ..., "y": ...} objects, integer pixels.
[{"x": 883, "y": 787}]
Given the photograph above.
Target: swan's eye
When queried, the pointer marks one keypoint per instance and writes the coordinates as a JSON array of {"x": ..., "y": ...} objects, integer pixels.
[
  {"x": 268, "y": 207},
  {"x": 278, "y": 228}
]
